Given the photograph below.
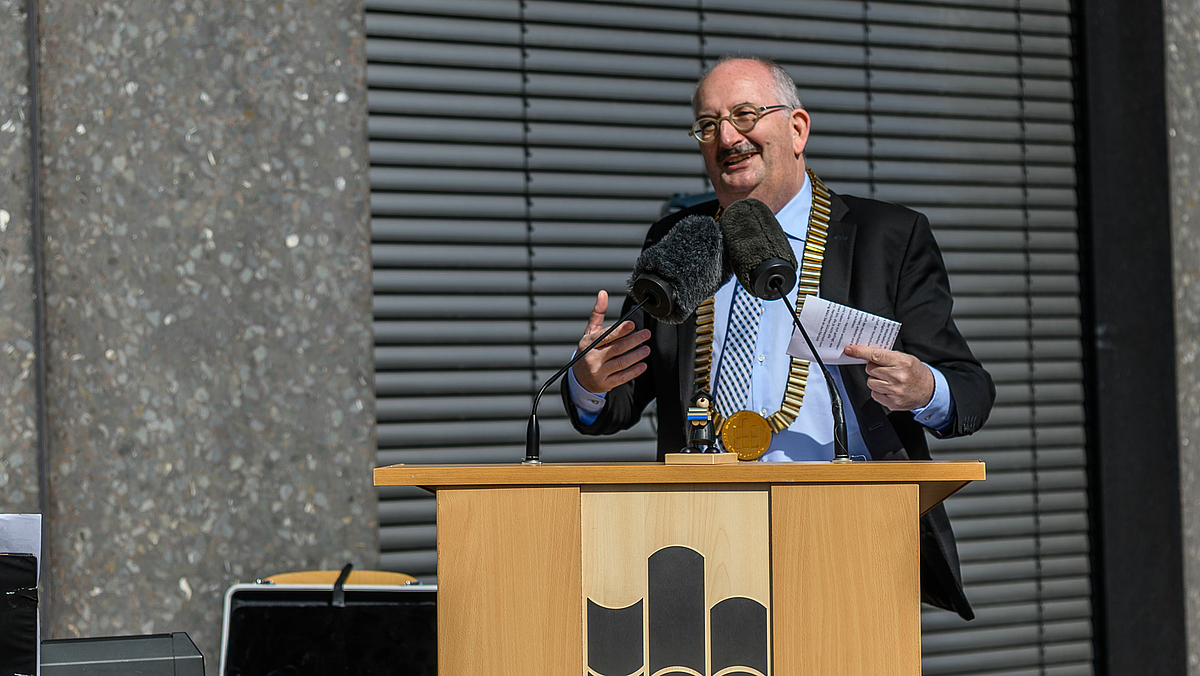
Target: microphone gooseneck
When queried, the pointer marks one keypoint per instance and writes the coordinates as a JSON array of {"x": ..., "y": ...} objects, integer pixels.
[
  {"x": 765, "y": 265},
  {"x": 841, "y": 450},
  {"x": 533, "y": 431},
  {"x": 670, "y": 279}
]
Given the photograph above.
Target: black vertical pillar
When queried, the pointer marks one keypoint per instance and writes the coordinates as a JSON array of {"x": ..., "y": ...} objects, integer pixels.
[
  {"x": 614, "y": 639},
  {"x": 1125, "y": 201},
  {"x": 675, "y": 603}
]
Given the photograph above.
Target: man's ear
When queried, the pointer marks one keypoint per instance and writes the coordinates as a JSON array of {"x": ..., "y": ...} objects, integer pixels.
[{"x": 800, "y": 126}]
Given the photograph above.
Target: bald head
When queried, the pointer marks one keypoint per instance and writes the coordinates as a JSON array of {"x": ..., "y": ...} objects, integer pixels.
[{"x": 785, "y": 86}]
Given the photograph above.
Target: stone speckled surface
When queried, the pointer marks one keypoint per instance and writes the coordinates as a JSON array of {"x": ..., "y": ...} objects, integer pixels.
[
  {"x": 1182, "y": 36},
  {"x": 18, "y": 395},
  {"x": 206, "y": 211}
]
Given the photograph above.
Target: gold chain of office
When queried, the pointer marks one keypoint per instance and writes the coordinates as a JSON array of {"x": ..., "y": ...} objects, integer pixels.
[{"x": 810, "y": 278}]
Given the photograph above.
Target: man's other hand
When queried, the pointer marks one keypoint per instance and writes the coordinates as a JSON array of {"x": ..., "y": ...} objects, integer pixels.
[
  {"x": 899, "y": 381},
  {"x": 615, "y": 361}
]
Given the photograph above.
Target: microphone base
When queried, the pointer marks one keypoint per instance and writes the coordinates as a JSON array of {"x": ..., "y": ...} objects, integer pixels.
[
  {"x": 531, "y": 461},
  {"x": 842, "y": 461}
]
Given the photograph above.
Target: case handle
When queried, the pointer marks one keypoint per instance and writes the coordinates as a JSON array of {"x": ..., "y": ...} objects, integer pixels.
[{"x": 339, "y": 593}]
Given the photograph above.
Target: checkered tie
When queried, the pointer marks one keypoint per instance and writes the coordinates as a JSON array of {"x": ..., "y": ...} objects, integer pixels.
[{"x": 733, "y": 381}]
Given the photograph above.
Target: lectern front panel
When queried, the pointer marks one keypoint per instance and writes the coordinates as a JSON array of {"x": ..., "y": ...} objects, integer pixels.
[
  {"x": 846, "y": 564},
  {"x": 676, "y": 578},
  {"x": 508, "y": 581}
]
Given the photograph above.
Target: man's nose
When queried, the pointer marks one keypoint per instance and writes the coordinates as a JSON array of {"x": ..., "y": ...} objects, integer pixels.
[{"x": 728, "y": 134}]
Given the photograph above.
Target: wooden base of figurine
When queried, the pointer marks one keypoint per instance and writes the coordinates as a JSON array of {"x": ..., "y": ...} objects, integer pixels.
[{"x": 700, "y": 458}]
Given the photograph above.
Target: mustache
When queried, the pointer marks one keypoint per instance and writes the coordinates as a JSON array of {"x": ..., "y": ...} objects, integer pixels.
[{"x": 743, "y": 147}]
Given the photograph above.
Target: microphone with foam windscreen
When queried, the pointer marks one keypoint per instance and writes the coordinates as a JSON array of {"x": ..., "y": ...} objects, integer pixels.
[
  {"x": 670, "y": 279},
  {"x": 681, "y": 270},
  {"x": 762, "y": 258},
  {"x": 757, "y": 250}
]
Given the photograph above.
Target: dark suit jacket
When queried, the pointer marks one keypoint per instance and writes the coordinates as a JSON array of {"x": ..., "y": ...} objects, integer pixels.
[{"x": 880, "y": 258}]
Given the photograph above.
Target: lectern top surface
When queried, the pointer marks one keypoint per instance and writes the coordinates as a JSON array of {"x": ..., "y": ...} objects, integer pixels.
[
  {"x": 550, "y": 474},
  {"x": 937, "y": 480}
]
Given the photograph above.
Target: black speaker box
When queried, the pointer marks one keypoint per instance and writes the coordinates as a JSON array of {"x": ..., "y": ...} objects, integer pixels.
[
  {"x": 308, "y": 630},
  {"x": 149, "y": 655}
]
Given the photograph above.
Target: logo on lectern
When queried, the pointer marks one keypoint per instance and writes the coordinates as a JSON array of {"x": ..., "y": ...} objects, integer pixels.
[{"x": 736, "y": 642}]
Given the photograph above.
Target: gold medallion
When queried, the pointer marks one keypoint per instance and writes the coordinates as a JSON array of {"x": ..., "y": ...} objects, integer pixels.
[{"x": 746, "y": 433}]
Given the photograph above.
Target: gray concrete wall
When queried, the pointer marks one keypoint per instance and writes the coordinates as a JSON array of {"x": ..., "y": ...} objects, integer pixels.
[
  {"x": 1182, "y": 37},
  {"x": 206, "y": 234},
  {"x": 19, "y": 477}
]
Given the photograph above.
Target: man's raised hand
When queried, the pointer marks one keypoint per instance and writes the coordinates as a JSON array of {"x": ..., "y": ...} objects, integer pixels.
[{"x": 617, "y": 360}]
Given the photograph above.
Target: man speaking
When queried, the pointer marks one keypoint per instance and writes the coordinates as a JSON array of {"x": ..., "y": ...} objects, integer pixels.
[{"x": 877, "y": 257}]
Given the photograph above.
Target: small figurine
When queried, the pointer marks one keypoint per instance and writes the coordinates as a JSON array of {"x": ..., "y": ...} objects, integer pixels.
[{"x": 700, "y": 434}]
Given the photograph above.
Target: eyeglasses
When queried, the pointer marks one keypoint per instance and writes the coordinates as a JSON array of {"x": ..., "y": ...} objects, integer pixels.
[{"x": 743, "y": 118}]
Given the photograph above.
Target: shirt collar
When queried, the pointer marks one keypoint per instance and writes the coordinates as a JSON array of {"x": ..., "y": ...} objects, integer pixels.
[{"x": 793, "y": 217}]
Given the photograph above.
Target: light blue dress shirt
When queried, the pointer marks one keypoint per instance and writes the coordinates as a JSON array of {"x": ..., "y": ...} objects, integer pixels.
[{"x": 810, "y": 437}]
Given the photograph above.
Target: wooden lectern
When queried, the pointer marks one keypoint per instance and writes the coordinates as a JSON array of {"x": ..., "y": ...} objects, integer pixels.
[{"x": 651, "y": 569}]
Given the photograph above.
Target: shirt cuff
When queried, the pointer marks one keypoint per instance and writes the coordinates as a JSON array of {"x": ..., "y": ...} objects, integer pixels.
[
  {"x": 939, "y": 412},
  {"x": 587, "y": 404}
]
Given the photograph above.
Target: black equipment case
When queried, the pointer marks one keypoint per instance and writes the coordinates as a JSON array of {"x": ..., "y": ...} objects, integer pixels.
[
  {"x": 149, "y": 655},
  {"x": 18, "y": 614},
  {"x": 324, "y": 630}
]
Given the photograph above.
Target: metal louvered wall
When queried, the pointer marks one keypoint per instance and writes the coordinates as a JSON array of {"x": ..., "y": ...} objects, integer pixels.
[{"x": 520, "y": 149}]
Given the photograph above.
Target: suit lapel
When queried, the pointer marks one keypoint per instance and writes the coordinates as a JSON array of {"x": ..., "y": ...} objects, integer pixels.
[{"x": 839, "y": 249}]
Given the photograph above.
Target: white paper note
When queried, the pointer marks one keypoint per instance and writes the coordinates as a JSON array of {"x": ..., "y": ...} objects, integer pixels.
[{"x": 833, "y": 326}]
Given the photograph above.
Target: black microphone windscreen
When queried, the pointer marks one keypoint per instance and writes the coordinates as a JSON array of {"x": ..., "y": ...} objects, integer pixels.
[
  {"x": 753, "y": 237},
  {"x": 681, "y": 270}
]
